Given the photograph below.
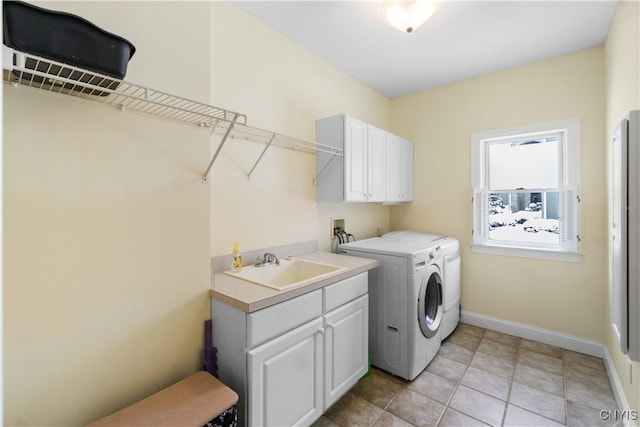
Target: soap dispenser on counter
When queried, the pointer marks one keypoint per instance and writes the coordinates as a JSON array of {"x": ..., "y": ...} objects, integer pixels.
[{"x": 237, "y": 258}]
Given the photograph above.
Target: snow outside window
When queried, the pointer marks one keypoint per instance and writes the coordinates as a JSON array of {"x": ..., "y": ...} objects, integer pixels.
[{"x": 525, "y": 191}]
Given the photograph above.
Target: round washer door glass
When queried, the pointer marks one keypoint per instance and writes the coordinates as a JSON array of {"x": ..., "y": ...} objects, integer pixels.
[{"x": 430, "y": 304}]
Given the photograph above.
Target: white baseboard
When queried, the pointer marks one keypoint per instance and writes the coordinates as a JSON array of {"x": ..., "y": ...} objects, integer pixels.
[
  {"x": 568, "y": 342},
  {"x": 616, "y": 385}
]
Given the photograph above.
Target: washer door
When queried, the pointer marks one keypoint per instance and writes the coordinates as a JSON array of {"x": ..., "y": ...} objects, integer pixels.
[{"x": 430, "y": 308}]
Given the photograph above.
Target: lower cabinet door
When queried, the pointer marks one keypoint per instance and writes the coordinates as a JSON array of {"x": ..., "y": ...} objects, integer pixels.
[
  {"x": 285, "y": 378},
  {"x": 346, "y": 348}
]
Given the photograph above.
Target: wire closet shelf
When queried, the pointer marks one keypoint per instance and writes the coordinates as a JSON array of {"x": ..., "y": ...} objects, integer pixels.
[{"x": 24, "y": 69}]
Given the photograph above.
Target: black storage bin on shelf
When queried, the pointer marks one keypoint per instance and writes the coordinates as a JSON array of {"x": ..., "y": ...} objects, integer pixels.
[{"x": 65, "y": 38}]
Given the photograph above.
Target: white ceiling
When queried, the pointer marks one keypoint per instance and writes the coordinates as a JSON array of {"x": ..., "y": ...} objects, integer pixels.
[{"x": 463, "y": 39}]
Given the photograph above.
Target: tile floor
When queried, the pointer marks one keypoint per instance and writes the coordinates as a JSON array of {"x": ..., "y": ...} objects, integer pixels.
[{"x": 482, "y": 377}]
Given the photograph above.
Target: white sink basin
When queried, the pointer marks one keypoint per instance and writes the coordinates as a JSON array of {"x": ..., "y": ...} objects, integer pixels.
[{"x": 290, "y": 272}]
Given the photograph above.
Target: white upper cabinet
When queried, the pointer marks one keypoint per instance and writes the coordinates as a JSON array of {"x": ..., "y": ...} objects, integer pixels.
[
  {"x": 376, "y": 164},
  {"x": 399, "y": 186},
  {"x": 355, "y": 147},
  {"x": 406, "y": 171},
  {"x": 362, "y": 174}
]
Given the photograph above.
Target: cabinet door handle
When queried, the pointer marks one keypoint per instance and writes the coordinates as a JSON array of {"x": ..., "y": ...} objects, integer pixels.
[
  {"x": 321, "y": 330},
  {"x": 330, "y": 326}
]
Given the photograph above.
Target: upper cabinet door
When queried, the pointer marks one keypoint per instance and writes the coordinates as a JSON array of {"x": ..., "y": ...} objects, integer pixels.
[
  {"x": 399, "y": 169},
  {"x": 406, "y": 170},
  {"x": 376, "y": 165},
  {"x": 355, "y": 160},
  {"x": 394, "y": 169}
]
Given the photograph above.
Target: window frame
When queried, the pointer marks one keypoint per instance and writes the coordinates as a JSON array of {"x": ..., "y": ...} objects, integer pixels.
[{"x": 568, "y": 248}]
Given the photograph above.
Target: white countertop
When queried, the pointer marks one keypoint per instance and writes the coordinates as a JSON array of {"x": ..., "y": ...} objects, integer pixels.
[{"x": 248, "y": 296}]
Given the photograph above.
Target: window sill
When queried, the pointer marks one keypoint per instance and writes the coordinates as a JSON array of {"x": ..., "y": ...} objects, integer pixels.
[{"x": 545, "y": 254}]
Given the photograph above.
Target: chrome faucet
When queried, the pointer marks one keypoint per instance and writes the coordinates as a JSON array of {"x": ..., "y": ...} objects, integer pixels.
[
  {"x": 267, "y": 259},
  {"x": 270, "y": 258}
]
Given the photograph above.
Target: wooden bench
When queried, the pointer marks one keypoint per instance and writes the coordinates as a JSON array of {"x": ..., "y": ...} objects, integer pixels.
[{"x": 195, "y": 401}]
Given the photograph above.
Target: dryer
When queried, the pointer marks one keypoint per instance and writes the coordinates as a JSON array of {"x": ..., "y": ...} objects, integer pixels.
[
  {"x": 448, "y": 253},
  {"x": 405, "y": 303}
]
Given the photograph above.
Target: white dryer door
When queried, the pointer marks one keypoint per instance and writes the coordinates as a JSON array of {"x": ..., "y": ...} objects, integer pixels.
[{"x": 430, "y": 308}]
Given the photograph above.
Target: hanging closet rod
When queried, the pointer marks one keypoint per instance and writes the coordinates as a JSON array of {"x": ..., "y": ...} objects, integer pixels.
[
  {"x": 251, "y": 133},
  {"x": 24, "y": 69},
  {"x": 269, "y": 138}
]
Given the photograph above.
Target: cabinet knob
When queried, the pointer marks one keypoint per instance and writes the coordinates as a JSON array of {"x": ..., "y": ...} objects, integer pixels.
[
  {"x": 321, "y": 331},
  {"x": 330, "y": 325}
]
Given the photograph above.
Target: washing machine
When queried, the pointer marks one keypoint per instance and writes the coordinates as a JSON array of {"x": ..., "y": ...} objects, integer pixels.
[
  {"x": 446, "y": 254},
  {"x": 405, "y": 303}
]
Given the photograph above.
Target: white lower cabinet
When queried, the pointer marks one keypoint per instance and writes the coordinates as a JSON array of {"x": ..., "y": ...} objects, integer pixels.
[
  {"x": 285, "y": 378},
  {"x": 345, "y": 348},
  {"x": 290, "y": 362}
]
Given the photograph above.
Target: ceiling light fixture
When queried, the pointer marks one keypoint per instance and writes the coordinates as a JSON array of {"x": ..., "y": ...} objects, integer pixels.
[{"x": 406, "y": 15}]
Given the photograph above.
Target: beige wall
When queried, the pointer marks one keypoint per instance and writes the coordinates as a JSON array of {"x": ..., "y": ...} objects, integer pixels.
[
  {"x": 107, "y": 223},
  {"x": 560, "y": 296},
  {"x": 622, "y": 59},
  {"x": 285, "y": 88},
  {"x": 106, "y": 230}
]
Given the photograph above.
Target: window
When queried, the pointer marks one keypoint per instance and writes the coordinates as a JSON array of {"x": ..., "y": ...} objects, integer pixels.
[{"x": 525, "y": 191}]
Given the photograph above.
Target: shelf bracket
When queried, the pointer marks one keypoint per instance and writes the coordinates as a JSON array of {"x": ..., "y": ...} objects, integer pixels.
[
  {"x": 205, "y": 176},
  {"x": 324, "y": 168},
  {"x": 273, "y": 136}
]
